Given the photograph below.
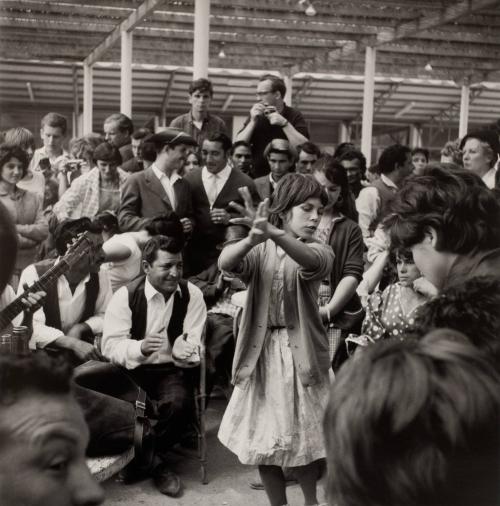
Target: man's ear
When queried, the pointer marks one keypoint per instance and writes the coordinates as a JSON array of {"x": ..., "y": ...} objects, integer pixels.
[
  {"x": 145, "y": 266},
  {"x": 430, "y": 236}
]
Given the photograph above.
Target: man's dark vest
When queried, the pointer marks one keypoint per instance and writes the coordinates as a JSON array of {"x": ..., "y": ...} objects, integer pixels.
[
  {"x": 51, "y": 304},
  {"x": 386, "y": 194},
  {"x": 139, "y": 307}
]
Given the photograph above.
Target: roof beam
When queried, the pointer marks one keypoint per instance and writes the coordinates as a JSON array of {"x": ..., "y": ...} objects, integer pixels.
[
  {"x": 428, "y": 21},
  {"x": 125, "y": 26}
]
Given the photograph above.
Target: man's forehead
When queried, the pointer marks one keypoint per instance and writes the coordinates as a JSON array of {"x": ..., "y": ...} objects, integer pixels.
[
  {"x": 164, "y": 257},
  {"x": 42, "y": 417},
  {"x": 46, "y": 129},
  {"x": 307, "y": 156}
]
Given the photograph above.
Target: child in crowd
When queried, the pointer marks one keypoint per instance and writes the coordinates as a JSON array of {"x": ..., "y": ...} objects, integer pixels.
[
  {"x": 391, "y": 312},
  {"x": 340, "y": 307},
  {"x": 281, "y": 365}
]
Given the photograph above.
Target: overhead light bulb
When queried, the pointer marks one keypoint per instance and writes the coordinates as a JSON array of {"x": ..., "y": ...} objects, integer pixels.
[
  {"x": 310, "y": 11},
  {"x": 222, "y": 54},
  {"x": 428, "y": 67}
]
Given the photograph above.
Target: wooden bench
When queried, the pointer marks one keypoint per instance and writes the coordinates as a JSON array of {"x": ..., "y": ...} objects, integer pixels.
[{"x": 102, "y": 468}]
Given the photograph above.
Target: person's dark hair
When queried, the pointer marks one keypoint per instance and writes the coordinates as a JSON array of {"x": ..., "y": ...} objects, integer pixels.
[
  {"x": 123, "y": 122},
  {"x": 455, "y": 203},
  {"x": 336, "y": 174},
  {"x": 354, "y": 154},
  {"x": 141, "y": 133},
  {"x": 20, "y": 136},
  {"x": 67, "y": 230},
  {"x": 55, "y": 120},
  {"x": 107, "y": 152},
  {"x": 277, "y": 84},
  {"x": 53, "y": 187},
  {"x": 237, "y": 144},
  {"x": 310, "y": 148},
  {"x": 148, "y": 151},
  {"x": 392, "y": 156},
  {"x": 342, "y": 148},
  {"x": 106, "y": 221},
  {"x": 8, "y": 151},
  {"x": 36, "y": 372},
  {"x": 167, "y": 224},
  {"x": 292, "y": 190},
  {"x": 472, "y": 307},
  {"x": 169, "y": 244},
  {"x": 222, "y": 139},
  {"x": 421, "y": 151},
  {"x": 201, "y": 85},
  {"x": 414, "y": 423}
]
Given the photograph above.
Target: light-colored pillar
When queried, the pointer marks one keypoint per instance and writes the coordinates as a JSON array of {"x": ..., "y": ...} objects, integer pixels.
[
  {"x": 415, "y": 136},
  {"x": 289, "y": 90},
  {"x": 87, "y": 99},
  {"x": 126, "y": 74},
  {"x": 464, "y": 109},
  {"x": 76, "y": 103},
  {"x": 238, "y": 122},
  {"x": 201, "y": 38},
  {"x": 368, "y": 95},
  {"x": 344, "y": 132}
]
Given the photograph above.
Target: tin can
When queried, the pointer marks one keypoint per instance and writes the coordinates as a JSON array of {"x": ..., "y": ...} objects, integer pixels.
[
  {"x": 20, "y": 340},
  {"x": 5, "y": 344}
]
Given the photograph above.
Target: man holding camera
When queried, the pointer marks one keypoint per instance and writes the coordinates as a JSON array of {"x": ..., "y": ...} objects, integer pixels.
[{"x": 270, "y": 118}]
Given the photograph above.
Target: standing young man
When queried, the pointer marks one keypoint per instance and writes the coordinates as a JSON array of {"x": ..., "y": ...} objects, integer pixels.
[
  {"x": 270, "y": 118},
  {"x": 198, "y": 122}
]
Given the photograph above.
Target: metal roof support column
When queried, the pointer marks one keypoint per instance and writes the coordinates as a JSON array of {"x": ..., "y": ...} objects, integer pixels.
[
  {"x": 289, "y": 89},
  {"x": 344, "y": 132},
  {"x": 87, "y": 99},
  {"x": 201, "y": 38},
  {"x": 464, "y": 109},
  {"x": 126, "y": 74},
  {"x": 368, "y": 95},
  {"x": 415, "y": 136}
]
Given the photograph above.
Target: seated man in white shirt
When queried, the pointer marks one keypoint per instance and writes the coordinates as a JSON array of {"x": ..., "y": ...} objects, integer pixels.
[
  {"x": 153, "y": 328},
  {"x": 73, "y": 311},
  {"x": 395, "y": 164}
]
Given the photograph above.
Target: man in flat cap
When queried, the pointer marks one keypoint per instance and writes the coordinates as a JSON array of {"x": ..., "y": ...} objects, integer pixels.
[{"x": 159, "y": 188}]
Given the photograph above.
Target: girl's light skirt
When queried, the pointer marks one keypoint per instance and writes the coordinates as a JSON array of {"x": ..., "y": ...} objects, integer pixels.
[{"x": 272, "y": 419}]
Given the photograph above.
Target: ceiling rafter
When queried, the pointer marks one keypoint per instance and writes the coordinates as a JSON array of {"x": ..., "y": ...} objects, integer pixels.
[
  {"x": 125, "y": 26},
  {"x": 428, "y": 21}
]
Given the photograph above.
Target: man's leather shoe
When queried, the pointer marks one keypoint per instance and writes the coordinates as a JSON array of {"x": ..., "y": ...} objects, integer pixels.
[{"x": 166, "y": 481}]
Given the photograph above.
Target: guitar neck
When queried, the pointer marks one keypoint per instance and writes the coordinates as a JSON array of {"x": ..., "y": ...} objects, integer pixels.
[{"x": 47, "y": 279}]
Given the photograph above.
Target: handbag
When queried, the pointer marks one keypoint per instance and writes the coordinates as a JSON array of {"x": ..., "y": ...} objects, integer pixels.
[{"x": 118, "y": 412}]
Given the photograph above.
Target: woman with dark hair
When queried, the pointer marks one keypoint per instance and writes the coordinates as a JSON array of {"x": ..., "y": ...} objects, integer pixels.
[
  {"x": 33, "y": 181},
  {"x": 96, "y": 191},
  {"x": 281, "y": 363},
  {"x": 340, "y": 307},
  {"x": 25, "y": 208}
]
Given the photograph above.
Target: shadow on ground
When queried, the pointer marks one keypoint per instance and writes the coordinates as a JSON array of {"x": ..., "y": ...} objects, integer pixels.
[{"x": 228, "y": 479}]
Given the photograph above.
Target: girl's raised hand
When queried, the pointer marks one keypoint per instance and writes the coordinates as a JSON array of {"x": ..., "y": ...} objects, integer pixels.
[
  {"x": 247, "y": 211},
  {"x": 260, "y": 231}
]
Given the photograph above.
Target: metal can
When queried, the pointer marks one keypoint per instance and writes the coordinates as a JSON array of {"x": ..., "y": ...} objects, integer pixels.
[
  {"x": 20, "y": 340},
  {"x": 5, "y": 344}
]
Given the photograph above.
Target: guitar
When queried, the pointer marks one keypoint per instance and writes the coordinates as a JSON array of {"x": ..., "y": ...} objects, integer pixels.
[{"x": 81, "y": 247}]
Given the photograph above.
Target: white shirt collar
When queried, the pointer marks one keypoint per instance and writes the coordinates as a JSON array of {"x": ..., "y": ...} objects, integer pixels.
[
  {"x": 489, "y": 178},
  {"x": 160, "y": 175},
  {"x": 387, "y": 181},
  {"x": 222, "y": 175},
  {"x": 150, "y": 291}
]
